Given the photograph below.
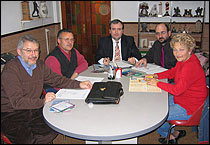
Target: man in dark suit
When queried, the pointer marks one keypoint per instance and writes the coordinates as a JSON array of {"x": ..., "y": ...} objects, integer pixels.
[{"x": 127, "y": 49}]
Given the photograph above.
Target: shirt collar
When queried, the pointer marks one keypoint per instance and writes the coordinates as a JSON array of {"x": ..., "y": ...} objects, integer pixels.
[{"x": 26, "y": 66}]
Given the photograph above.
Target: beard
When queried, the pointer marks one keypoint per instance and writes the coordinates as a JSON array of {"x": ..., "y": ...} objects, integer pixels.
[{"x": 163, "y": 42}]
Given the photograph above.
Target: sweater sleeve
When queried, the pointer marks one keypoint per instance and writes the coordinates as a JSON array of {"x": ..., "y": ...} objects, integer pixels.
[
  {"x": 81, "y": 62},
  {"x": 184, "y": 78},
  {"x": 54, "y": 64}
]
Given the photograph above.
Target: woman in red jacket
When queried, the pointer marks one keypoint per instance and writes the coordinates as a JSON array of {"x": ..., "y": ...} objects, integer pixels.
[{"x": 189, "y": 90}]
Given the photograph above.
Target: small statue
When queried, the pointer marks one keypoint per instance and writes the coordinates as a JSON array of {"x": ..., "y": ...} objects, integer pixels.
[
  {"x": 187, "y": 13},
  {"x": 35, "y": 9},
  {"x": 43, "y": 9},
  {"x": 177, "y": 12},
  {"x": 198, "y": 12},
  {"x": 167, "y": 9},
  {"x": 144, "y": 27},
  {"x": 153, "y": 11},
  {"x": 144, "y": 9}
]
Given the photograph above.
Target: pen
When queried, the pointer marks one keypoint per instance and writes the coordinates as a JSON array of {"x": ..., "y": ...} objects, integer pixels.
[{"x": 149, "y": 76}]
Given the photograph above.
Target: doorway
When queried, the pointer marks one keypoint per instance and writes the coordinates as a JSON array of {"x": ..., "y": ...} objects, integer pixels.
[{"x": 89, "y": 20}]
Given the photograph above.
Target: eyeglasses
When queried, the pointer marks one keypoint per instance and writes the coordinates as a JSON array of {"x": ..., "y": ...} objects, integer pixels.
[
  {"x": 30, "y": 51},
  {"x": 67, "y": 39},
  {"x": 162, "y": 32}
]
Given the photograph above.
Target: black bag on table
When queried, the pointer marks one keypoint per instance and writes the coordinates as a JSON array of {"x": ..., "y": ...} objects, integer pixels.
[{"x": 105, "y": 93}]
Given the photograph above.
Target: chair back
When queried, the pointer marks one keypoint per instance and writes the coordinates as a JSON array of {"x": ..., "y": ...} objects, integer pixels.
[{"x": 194, "y": 120}]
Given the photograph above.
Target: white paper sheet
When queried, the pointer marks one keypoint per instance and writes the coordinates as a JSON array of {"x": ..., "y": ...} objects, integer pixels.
[
  {"x": 77, "y": 93},
  {"x": 91, "y": 79},
  {"x": 72, "y": 94},
  {"x": 150, "y": 69},
  {"x": 121, "y": 64}
]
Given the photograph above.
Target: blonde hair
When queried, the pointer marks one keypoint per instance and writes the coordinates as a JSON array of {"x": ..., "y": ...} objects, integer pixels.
[{"x": 184, "y": 39}]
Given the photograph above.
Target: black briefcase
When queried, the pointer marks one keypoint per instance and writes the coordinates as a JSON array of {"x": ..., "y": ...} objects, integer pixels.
[{"x": 105, "y": 93}]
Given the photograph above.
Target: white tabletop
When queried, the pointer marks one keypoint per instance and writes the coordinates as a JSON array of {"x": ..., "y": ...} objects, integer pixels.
[{"x": 135, "y": 115}]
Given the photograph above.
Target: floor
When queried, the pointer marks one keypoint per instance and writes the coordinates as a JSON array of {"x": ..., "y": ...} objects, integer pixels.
[{"x": 150, "y": 138}]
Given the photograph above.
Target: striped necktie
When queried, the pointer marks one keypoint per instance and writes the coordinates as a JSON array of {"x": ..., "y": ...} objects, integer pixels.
[
  {"x": 162, "y": 58},
  {"x": 117, "y": 52}
]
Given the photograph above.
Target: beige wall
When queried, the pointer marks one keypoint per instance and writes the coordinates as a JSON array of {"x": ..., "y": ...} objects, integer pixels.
[{"x": 9, "y": 42}]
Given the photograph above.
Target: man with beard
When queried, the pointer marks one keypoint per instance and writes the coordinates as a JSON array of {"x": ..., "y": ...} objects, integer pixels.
[
  {"x": 22, "y": 99},
  {"x": 162, "y": 44},
  {"x": 64, "y": 59},
  {"x": 117, "y": 46}
]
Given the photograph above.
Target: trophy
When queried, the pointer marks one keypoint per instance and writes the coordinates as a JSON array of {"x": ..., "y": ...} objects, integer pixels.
[
  {"x": 177, "y": 12},
  {"x": 160, "y": 10},
  {"x": 167, "y": 9}
]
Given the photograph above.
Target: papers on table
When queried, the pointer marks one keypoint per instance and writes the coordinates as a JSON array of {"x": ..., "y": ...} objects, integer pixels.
[
  {"x": 77, "y": 93},
  {"x": 139, "y": 85},
  {"x": 72, "y": 93},
  {"x": 150, "y": 69},
  {"x": 121, "y": 64},
  {"x": 91, "y": 79}
]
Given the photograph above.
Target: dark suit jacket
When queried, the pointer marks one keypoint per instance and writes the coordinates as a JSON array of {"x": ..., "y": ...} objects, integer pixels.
[{"x": 128, "y": 48}]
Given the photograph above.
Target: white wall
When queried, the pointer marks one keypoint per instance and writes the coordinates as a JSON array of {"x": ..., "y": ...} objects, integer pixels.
[
  {"x": 127, "y": 11},
  {"x": 11, "y": 15}
]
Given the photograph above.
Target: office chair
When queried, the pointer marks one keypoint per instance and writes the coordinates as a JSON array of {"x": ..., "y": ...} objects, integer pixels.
[
  {"x": 194, "y": 120},
  {"x": 4, "y": 139}
]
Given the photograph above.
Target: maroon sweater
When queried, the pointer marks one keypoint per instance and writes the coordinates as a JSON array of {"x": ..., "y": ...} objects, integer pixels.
[{"x": 21, "y": 91}]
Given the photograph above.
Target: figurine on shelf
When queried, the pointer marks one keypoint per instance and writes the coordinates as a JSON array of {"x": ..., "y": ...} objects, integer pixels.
[
  {"x": 144, "y": 9},
  {"x": 144, "y": 27},
  {"x": 160, "y": 10},
  {"x": 187, "y": 13},
  {"x": 177, "y": 12},
  {"x": 153, "y": 11},
  {"x": 167, "y": 9},
  {"x": 36, "y": 11},
  {"x": 198, "y": 12},
  {"x": 198, "y": 26},
  {"x": 43, "y": 9}
]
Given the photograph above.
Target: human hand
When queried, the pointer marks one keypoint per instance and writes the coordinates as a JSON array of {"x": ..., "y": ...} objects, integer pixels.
[
  {"x": 49, "y": 97},
  {"x": 106, "y": 61},
  {"x": 74, "y": 75},
  {"x": 140, "y": 62},
  {"x": 132, "y": 60},
  {"x": 86, "y": 85},
  {"x": 152, "y": 81}
]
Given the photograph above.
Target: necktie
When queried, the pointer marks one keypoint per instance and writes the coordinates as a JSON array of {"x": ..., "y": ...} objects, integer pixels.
[
  {"x": 162, "y": 58},
  {"x": 117, "y": 52}
]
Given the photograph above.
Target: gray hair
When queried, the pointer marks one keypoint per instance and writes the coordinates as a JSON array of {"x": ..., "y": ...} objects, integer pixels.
[{"x": 25, "y": 38}]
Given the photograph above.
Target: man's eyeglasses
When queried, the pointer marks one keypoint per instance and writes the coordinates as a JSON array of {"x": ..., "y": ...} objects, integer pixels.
[
  {"x": 162, "y": 32},
  {"x": 67, "y": 39},
  {"x": 30, "y": 51}
]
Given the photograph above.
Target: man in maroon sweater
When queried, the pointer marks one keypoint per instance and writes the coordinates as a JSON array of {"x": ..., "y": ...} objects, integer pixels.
[
  {"x": 22, "y": 100},
  {"x": 64, "y": 59}
]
